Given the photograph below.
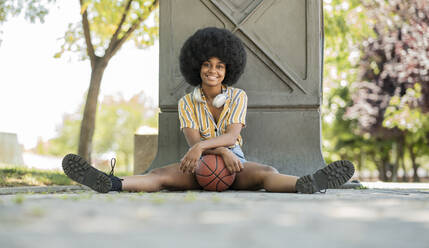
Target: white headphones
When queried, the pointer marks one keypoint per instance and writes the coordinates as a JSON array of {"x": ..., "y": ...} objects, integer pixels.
[{"x": 218, "y": 101}]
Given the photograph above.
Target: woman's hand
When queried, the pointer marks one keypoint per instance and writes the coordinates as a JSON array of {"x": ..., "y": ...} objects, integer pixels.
[
  {"x": 190, "y": 161},
  {"x": 232, "y": 163}
]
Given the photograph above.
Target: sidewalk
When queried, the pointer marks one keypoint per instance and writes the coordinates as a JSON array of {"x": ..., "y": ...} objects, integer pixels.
[{"x": 375, "y": 217}]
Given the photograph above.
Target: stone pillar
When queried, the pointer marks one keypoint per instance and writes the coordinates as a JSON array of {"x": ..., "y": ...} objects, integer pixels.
[
  {"x": 145, "y": 148},
  {"x": 10, "y": 149},
  {"x": 283, "y": 78}
]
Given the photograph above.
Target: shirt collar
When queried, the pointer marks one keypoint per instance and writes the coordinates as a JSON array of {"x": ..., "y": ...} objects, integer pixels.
[{"x": 224, "y": 91}]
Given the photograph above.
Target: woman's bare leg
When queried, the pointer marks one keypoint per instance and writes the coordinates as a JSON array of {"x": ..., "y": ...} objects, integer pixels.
[
  {"x": 168, "y": 177},
  {"x": 257, "y": 176}
]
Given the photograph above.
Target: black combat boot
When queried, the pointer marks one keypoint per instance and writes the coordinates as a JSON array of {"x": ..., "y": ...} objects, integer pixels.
[
  {"x": 331, "y": 176},
  {"x": 78, "y": 169}
]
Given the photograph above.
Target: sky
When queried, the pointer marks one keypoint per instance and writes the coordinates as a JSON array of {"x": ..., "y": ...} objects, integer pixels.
[{"x": 36, "y": 89}]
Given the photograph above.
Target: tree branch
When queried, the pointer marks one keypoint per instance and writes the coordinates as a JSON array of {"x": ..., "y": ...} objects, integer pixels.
[
  {"x": 118, "y": 29},
  {"x": 87, "y": 33},
  {"x": 118, "y": 44}
]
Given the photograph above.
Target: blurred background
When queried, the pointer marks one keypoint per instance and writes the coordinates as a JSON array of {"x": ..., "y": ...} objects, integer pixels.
[{"x": 375, "y": 88}]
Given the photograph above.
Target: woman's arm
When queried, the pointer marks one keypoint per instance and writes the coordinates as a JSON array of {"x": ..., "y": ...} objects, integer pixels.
[
  {"x": 232, "y": 163},
  {"x": 197, "y": 147},
  {"x": 227, "y": 139},
  {"x": 193, "y": 137}
]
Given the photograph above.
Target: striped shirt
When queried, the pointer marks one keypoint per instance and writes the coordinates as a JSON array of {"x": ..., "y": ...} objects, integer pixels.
[{"x": 197, "y": 115}]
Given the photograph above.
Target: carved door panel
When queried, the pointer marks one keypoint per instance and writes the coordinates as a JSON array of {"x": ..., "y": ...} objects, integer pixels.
[{"x": 283, "y": 40}]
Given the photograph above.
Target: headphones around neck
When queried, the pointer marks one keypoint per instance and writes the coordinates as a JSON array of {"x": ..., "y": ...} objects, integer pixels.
[{"x": 218, "y": 101}]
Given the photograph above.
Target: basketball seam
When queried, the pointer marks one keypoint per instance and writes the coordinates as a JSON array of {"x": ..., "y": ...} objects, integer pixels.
[
  {"x": 217, "y": 184},
  {"x": 216, "y": 175},
  {"x": 213, "y": 172}
]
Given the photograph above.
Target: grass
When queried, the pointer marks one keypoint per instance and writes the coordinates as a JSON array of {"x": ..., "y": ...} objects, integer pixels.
[
  {"x": 216, "y": 199},
  {"x": 190, "y": 197},
  {"x": 18, "y": 199},
  {"x": 36, "y": 212},
  {"x": 19, "y": 176},
  {"x": 361, "y": 187},
  {"x": 157, "y": 198}
]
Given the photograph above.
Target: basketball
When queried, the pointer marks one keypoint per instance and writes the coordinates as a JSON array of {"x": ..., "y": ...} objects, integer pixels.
[{"x": 212, "y": 174}]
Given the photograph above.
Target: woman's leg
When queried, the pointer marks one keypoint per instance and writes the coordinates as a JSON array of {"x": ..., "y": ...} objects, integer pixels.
[
  {"x": 258, "y": 176},
  {"x": 255, "y": 176},
  {"x": 168, "y": 177}
]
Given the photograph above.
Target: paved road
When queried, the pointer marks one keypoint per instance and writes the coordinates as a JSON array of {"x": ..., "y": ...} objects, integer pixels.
[{"x": 339, "y": 218}]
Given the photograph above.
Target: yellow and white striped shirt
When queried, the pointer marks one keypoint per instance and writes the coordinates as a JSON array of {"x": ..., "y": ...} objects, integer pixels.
[{"x": 197, "y": 115}]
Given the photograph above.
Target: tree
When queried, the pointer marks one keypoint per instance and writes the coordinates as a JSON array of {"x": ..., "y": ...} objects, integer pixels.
[
  {"x": 403, "y": 114},
  {"x": 118, "y": 119},
  {"x": 345, "y": 26},
  {"x": 33, "y": 10},
  {"x": 106, "y": 25},
  {"x": 394, "y": 62}
]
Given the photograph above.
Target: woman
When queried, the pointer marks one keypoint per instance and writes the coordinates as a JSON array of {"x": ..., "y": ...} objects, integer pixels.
[{"x": 211, "y": 118}]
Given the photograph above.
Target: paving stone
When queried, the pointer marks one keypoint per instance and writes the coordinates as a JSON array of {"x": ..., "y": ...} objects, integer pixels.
[
  {"x": 40, "y": 189},
  {"x": 339, "y": 218}
]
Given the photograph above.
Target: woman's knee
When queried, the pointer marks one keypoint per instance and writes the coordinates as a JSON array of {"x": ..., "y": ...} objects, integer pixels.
[
  {"x": 157, "y": 171},
  {"x": 259, "y": 170},
  {"x": 269, "y": 169},
  {"x": 170, "y": 177},
  {"x": 159, "y": 174}
]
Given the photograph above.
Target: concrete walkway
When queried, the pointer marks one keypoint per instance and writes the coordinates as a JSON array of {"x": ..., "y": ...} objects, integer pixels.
[{"x": 388, "y": 216}]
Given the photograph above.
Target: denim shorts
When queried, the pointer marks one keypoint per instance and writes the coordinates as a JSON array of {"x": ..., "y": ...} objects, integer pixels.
[{"x": 238, "y": 152}]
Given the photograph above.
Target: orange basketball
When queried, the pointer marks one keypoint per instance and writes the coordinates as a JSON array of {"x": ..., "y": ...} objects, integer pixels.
[{"x": 212, "y": 174}]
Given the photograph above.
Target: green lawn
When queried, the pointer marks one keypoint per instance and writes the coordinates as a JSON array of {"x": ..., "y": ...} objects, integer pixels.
[{"x": 18, "y": 176}]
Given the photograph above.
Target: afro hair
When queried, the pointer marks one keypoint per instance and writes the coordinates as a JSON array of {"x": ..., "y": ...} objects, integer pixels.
[{"x": 212, "y": 42}]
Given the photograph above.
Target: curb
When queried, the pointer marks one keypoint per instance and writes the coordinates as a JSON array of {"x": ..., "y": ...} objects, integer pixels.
[
  {"x": 351, "y": 185},
  {"x": 42, "y": 189}
]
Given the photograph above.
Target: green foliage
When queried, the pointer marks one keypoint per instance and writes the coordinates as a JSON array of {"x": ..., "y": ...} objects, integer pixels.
[
  {"x": 104, "y": 17},
  {"x": 374, "y": 57},
  {"x": 68, "y": 137},
  {"x": 33, "y": 10},
  {"x": 401, "y": 114},
  {"x": 13, "y": 176},
  {"x": 117, "y": 121},
  {"x": 345, "y": 26}
]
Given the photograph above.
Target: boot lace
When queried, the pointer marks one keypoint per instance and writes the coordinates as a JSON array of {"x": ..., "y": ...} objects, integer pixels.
[{"x": 112, "y": 165}]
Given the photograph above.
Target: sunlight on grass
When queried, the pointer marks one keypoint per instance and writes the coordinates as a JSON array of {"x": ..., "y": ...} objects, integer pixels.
[
  {"x": 190, "y": 197},
  {"x": 157, "y": 198},
  {"x": 216, "y": 199},
  {"x": 19, "y": 176},
  {"x": 36, "y": 212},
  {"x": 10, "y": 177},
  {"x": 18, "y": 199}
]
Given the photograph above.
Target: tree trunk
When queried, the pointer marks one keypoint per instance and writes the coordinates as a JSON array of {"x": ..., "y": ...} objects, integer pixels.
[
  {"x": 402, "y": 161},
  {"x": 380, "y": 166},
  {"x": 358, "y": 158},
  {"x": 395, "y": 150},
  {"x": 399, "y": 154},
  {"x": 88, "y": 121},
  {"x": 415, "y": 165}
]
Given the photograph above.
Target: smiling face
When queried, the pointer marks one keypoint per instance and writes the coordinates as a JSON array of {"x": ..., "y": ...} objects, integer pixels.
[{"x": 212, "y": 72}]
